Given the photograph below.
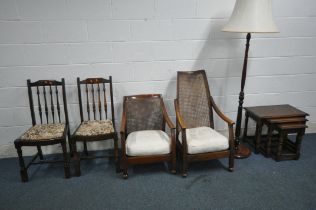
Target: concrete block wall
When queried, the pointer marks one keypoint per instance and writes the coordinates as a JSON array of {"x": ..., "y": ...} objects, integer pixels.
[{"x": 142, "y": 44}]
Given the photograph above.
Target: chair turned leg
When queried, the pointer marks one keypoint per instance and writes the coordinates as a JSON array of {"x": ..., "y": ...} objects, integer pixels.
[
  {"x": 116, "y": 156},
  {"x": 231, "y": 162},
  {"x": 40, "y": 153},
  {"x": 66, "y": 160},
  {"x": 23, "y": 170},
  {"x": 76, "y": 158},
  {"x": 70, "y": 147},
  {"x": 125, "y": 174},
  {"x": 174, "y": 164},
  {"x": 124, "y": 167},
  {"x": 184, "y": 166},
  {"x": 85, "y": 148}
]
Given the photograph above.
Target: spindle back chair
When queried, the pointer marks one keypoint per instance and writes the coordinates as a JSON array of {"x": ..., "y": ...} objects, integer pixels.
[
  {"x": 50, "y": 123},
  {"x": 95, "y": 101},
  {"x": 47, "y": 92}
]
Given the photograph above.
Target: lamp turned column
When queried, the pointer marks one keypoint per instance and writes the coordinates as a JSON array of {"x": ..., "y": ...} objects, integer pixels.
[
  {"x": 242, "y": 151},
  {"x": 244, "y": 19}
]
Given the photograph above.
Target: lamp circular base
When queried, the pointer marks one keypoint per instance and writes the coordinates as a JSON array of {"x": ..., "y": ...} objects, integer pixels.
[{"x": 242, "y": 152}]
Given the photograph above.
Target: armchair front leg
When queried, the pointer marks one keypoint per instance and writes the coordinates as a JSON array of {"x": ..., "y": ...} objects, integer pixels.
[
  {"x": 184, "y": 146},
  {"x": 184, "y": 153},
  {"x": 173, "y": 152},
  {"x": 124, "y": 163},
  {"x": 173, "y": 140},
  {"x": 231, "y": 148}
]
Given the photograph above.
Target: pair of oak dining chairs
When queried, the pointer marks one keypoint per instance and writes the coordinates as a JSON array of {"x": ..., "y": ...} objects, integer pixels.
[{"x": 144, "y": 119}]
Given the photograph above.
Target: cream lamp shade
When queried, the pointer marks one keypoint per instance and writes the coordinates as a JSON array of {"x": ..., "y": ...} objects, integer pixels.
[{"x": 251, "y": 16}]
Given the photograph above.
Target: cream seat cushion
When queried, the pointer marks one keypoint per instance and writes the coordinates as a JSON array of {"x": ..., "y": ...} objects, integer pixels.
[
  {"x": 148, "y": 142},
  {"x": 204, "y": 139},
  {"x": 95, "y": 128},
  {"x": 44, "y": 132}
]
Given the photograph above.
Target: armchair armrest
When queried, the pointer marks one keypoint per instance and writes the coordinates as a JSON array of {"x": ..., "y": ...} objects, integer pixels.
[
  {"x": 166, "y": 117},
  {"x": 180, "y": 120},
  {"x": 221, "y": 114}
]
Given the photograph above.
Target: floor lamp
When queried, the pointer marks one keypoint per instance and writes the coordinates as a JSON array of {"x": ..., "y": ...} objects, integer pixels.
[{"x": 249, "y": 16}]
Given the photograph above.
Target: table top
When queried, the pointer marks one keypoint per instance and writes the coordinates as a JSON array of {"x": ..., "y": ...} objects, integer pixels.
[{"x": 275, "y": 111}]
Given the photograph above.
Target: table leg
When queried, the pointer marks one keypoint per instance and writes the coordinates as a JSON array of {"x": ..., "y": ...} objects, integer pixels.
[
  {"x": 280, "y": 145},
  {"x": 269, "y": 140},
  {"x": 246, "y": 127},
  {"x": 298, "y": 142},
  {"x": 258, "y": 136}
]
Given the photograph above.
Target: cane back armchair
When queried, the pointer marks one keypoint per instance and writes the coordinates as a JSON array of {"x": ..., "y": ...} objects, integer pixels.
[
  {"x": 50, "y": 124},
  {"x": 95, "y": 124},
  {"x": 143, "y": 135},
  {"x": 196, "y": 138}
]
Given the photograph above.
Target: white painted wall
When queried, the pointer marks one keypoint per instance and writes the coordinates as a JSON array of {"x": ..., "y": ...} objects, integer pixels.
[{"x": 142, "y": 44}]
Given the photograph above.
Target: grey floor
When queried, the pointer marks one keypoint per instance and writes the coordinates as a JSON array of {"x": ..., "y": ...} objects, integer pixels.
[{"x": 256, "y": 183}]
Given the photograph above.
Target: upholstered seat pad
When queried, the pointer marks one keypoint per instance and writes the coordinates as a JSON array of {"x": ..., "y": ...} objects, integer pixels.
[
  {"x": 204, "y": 139},
  {"x": 44, "y": 132},
  {"x": 148, "y": 142},
  {"x": 95, "y": 128}
]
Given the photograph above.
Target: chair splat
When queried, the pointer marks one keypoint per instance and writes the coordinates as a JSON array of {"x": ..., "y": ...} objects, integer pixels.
[
  {"x": 88, "y": 105},
  {"x": 105, "y": 103},
  {"x": 45, "y": 103},
  {"x": 99, "y": 102},
  {"x": 57, "y": 101},
  {"x": 39, "y": 104},
  {"x": 52, "y": 103},
  {"x": 93, "y": 102}
]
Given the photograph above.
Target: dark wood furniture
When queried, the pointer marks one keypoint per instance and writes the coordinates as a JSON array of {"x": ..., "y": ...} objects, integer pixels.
[
  {"x": 284, "y": 148},
  {"x": 145, "y": 113},
  {"x": 284, "y": 118},
  {"x": 242, "y": 151},
  {"x": 50, "y": 123},
  {"x": 194, "y": 108},
  {"x": 95, "y": 124}
]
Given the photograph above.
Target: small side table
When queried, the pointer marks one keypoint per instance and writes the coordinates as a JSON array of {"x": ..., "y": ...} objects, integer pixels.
[
  {"x": 265, "y": 115},
  {"x": 285, "y": 149}
]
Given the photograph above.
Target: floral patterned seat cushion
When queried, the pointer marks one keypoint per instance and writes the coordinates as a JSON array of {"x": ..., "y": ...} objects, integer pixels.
[
  {"x": 95, "y": 128},
  {"x": 44, "y": 132}
]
